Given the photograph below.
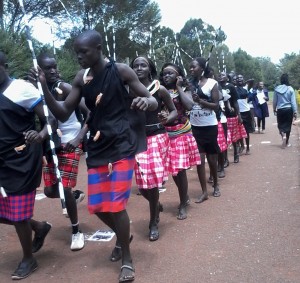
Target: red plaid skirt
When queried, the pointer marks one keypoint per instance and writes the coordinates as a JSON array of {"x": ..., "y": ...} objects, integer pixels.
[
  {"x": 68, "y": 163},
  {"x": 110, "y": 192},
  {"x": 17, "y": 207},
  {"x": 236, "y": 131},
  {"x": 221, "y": 138},
  {"x": 183, "y": 151},
  {"x": 152, "y": 169}
]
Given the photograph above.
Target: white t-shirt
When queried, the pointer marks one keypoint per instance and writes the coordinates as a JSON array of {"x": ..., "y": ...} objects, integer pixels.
[
  {"x": 70, "y": 128},
  {"x": 23, "y": 93},
  {"x": 203, "y": 116}
]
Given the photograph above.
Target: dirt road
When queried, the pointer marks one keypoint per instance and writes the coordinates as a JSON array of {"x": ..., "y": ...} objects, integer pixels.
[{"x": 250, "y": 234}]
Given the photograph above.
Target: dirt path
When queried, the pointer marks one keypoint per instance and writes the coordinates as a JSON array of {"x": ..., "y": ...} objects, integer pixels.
[{"x": 250, "y": 234}]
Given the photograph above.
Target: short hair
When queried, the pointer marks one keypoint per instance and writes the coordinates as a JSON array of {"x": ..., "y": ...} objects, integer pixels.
[
  {"x": 284, "y": 79},
  {"x": 94, "y": 37},
  {"x": 203, "y": 63},
  {"x": 42, "y": 56}
]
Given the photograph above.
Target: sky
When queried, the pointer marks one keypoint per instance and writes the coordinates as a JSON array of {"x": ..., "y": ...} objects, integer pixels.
[{"x": 261, "y": 28}]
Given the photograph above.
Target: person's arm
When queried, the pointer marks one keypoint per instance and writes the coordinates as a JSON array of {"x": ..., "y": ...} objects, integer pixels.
[
  {"x": 33, "y": 136},
  {"x": 214, "y": 104},
  {"x": 72, "y": 144},
  {"x": 61, "y": 111},
  {"x": 266, "y": 93},
  {"x": 294, "y": 103},
  {"x": 185, "y": 96},
  {"x": 144, "y": 101},
  {"x": 275, "y": 103},
  {"x": 165, "y": 96}
]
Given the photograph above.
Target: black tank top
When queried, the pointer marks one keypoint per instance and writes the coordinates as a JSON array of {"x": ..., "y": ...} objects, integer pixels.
[{"x": 122, "y": 131}]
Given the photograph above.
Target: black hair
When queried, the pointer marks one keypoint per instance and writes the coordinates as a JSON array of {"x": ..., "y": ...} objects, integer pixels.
[
  {"x": 284, "y": 79},
  {"x": 152, "y": 68},
  {"x": 93, "y": 37},
  {"x": 176, "y": 67},
  {"x": 42, "y": 56},
  {"x": 203, "y": 63}
]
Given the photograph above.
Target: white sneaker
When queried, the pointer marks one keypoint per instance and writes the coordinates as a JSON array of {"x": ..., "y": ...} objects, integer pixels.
[{"x": 77, "y": 241}]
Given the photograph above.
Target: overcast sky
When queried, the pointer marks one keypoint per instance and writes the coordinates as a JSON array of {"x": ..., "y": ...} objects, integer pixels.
[{"x": 261, "y": 28}]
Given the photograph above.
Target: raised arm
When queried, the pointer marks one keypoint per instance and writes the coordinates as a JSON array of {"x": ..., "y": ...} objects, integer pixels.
[{"x": 61, "y": 111}]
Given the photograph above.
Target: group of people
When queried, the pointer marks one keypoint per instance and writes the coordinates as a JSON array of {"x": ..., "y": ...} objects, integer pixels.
[{"x": 140, "y": 123}]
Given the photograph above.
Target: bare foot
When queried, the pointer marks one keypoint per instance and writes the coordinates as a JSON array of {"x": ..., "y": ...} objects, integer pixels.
[{"x": 202, "y": 198}]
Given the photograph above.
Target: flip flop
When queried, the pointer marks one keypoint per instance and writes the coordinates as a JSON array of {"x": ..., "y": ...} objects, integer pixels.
[{"x": 127, "y": 278}]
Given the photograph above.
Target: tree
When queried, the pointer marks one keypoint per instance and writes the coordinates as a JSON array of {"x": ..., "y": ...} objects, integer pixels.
[
  {"x": 124, "y": 25},
  {"x": 291, "y": 64},
  {"x": 17, "y": 51}
]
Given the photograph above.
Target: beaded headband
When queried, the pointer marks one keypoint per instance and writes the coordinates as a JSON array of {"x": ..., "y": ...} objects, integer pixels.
[{"x": 172, "y": 68}]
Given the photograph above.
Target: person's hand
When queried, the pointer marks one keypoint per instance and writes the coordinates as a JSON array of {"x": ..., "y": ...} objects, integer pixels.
[
  {"x": 140, "y": 103},
  {"x": 179, "y": 81},
  {"x": 36, "y": 74},
  {"x": 72, "y": 144},
  {"x": 163, "y": 117},
  {"x": 295, "y": 115},
  {"x": 240, "y": 120},
  {"x": 196, "y": 97},
  {"x": 32, "y": 137}
]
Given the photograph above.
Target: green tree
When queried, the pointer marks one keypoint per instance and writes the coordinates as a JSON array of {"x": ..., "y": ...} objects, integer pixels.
[{"x": 291, "y": 64}]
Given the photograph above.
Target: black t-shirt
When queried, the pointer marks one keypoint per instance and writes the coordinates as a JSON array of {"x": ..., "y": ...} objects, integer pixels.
[{"x": 231, "y": 90}]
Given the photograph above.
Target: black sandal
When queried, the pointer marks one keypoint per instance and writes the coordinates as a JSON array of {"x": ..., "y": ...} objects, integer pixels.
[
  {"x": 24, "y": 269},
  {"x": 127, "y": 278}
]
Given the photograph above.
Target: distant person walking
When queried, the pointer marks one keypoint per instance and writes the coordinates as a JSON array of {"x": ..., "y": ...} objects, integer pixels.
[
  {"x": 285, "y": 107},
  {"x": 259, "y": 99}
]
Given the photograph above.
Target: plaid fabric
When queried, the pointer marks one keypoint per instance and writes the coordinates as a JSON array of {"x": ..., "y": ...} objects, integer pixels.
[
  {"x": 227, "y": 133},
  {"x": 152, "y": 169},
  {"x": 68, "y": 163},
  {"x": 17, "y": 207},
  {"x": 221, "y": 138},
  {"x": 110, "y": 193},
  {"x": 183, "y": 151},
  {"x": 235, "y": 130}
]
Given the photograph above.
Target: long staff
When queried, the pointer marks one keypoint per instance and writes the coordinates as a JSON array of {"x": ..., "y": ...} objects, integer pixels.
[
  {"x": 211, "y": 49},
  {"x": 46, "y": 112}
]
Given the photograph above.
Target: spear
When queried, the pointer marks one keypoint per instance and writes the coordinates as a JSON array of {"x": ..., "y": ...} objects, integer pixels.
[
  {"x": 199, "y": 42},
  {"x": 178, "y": 52},
  {"x": 211, "y": 49},
  {"x": 46, "y": 112},
  {"x": 114, "y": 38},
  {"x": 106, "y": 38}
]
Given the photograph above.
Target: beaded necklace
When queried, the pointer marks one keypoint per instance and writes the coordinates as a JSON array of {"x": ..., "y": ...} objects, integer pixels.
[{"x": 173, "y": 93}]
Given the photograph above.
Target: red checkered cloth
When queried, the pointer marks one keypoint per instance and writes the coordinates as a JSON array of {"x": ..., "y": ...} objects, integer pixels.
[
  {"x": 110, "y": 192},
  {"x": 221, "y": 138},
  {"x": 235, "y": 130},
  {"x": 17, "y": 207},
  {"x": 183, "y": 151},
  {"x": 68, "y": 163},
  {"x": 152, "y": 169}
]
